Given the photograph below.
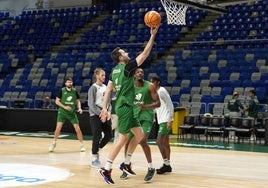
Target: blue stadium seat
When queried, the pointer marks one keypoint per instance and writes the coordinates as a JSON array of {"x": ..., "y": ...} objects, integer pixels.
[
  {"x": 247, "y": 83},
  {"x": 227, "y": 91},
  {"x": 217, "y": 99},
  {"x": 206, "y": 99},
  {"x": 261, "y": 94}
]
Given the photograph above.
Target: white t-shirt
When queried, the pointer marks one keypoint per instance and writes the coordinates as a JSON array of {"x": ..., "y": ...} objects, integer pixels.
[{"x": 165, "y": 112}]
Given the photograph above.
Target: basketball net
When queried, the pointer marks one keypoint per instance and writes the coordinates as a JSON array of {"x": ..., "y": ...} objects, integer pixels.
[{"x": 176, "y": 12}]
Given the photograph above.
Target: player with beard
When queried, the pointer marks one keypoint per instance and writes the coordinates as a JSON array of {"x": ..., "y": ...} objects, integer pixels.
[
  {"x": 121, "y": 79},
  {"x": 67, "y": 101}
]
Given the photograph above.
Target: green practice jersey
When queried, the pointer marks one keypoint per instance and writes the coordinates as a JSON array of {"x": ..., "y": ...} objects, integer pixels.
[
  {"x": 124, "y": 86},
  {"x": 143, "y": 96},
  {"x": 234, "y": 105},
  {"x": 253, "y": 107},
  {"x": 68, "y": 98}
]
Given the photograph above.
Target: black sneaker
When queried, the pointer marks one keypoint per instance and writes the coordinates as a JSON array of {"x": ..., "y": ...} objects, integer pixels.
[
  {"x": 127, "y": 169},
  {"x": 123, "y": 176},
  {"x": 106, "y": 174},
  {"x": 164, "y": 169},
  {"x": 150, "y": 174}
]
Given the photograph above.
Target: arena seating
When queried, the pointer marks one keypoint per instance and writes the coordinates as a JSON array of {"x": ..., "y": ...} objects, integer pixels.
[{"x": 216, "y": 70}]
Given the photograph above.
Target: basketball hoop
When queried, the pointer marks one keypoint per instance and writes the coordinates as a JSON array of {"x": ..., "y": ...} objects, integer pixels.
[{"x": 176, "y": 12}]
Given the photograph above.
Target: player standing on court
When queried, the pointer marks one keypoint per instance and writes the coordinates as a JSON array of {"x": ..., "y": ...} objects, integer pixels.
[
  {"x": 146, "y": 99},
  {"x": 165, "y": 115},
  {"x": 67, "y": 100},
  {"x": 95, "y": 100},
  {"x": 122, "y": 80}
]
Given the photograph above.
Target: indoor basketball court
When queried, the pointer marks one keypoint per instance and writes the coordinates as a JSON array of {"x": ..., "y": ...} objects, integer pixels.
[{"x": 26, "y": 162}]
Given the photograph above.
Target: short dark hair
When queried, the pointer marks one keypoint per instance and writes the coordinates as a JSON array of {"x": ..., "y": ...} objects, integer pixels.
[
  {"x": 252, "y": 91},
  {"x": 68, "y": 78},
  {"x": 116, "y": 54},
  {"x": 154, "y": 78},
  {"x": 138, "y": 69}
]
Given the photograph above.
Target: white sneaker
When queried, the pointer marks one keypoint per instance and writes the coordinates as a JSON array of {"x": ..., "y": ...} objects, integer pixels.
[
  {"x": 82, "y": 148},
  {"x": 96, "y": 163},
  {"x": 52, "y": 147}
]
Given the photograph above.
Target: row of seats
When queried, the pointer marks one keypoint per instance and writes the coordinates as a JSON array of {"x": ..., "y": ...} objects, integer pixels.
[
  {"x": 211, "y": 126},
  {"x": 235, "y": 25},
  {"x": 261, "y": 91},
  {"x": 202, "y": 64},
  {"x": 39, "y": 30},
  {"x": 63, "y": 11},
  {"x": 217, "y": 109},
  {"x": 47, "y": 73},
  {"x": 242, "y": 8},
  {"x": 116, "y": 29}
]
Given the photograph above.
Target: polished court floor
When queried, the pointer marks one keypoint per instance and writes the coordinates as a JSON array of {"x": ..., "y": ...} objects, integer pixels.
[{"x": 25, "y": 162}]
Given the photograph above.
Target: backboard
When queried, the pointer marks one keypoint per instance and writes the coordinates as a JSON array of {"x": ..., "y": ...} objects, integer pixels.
[{"x": 208, "y": 5}]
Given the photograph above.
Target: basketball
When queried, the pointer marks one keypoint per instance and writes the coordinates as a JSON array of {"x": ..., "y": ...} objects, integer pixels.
[{"x": 152, "y": 19}]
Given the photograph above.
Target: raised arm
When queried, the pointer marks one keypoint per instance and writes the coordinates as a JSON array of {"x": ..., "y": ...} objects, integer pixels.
[{"x": 145, "y": 53}]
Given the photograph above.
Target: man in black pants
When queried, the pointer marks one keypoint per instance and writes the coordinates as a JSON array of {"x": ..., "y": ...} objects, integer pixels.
[{"x": 95, "y": 101}]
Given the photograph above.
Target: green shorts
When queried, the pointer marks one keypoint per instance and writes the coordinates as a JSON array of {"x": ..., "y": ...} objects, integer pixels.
[
  {"x": 163, "y": 129},
  {"x": 126, "y": 119},
  {"x": 72, "y": 117},
  {"x": 146, "y": 127}
]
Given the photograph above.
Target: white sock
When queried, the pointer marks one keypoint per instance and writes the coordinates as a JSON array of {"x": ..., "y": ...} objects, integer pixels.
[
  {"x": 166, "y": 162},
  {"x": 150, "y": 165},
  {"x": 128, "y": 158},
  {"x": 108, "y": 165}
]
